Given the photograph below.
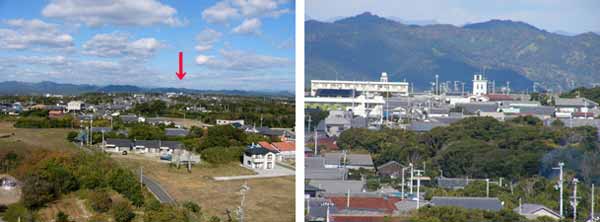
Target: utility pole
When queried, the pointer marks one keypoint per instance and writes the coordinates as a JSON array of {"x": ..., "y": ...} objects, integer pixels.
[
  {"x": 316, "y": 143},
  {"x": 412, "y": 175},
  {"x": 243, "y": 191},
  {"x": 520, "y": 206},
  {"x": 419, "y": 174},
  {"x": 592, "y": 207},
  {"x": 560, "y": 186},
  {"x": 437, "y": 86},
  {"x": 574, "y": 202},
  {"x": 141, "y": 176},
  {"x": 487, "y": 187},
  {"x": 309, "y": 121},
  {"x": 403, "y": 182}
]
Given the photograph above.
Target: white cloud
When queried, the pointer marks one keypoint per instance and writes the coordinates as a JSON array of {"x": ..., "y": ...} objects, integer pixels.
[
  {"x": 118, "y": 45},
  {"x": 253, "y": 8},
  {"x": 116, "y": 12},
  {"x": 206, "y": 38},
  {"x": 227, "y": 10},
  {"x": 33, "y": 34},
  {"x": 249, "y": 26},
  {"x": 221, "y": 12},
  {"x": 202, "y": 59},
  {"x": 237, "y": 60},
  {"x": 203, "y": 48}
]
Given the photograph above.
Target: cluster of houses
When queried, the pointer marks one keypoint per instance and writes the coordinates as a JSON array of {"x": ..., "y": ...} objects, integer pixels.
[{"x": 331, "y": 196}]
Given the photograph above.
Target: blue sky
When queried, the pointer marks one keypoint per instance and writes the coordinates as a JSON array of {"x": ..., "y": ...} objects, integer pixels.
[
  {"x": 572, "y": 16},
  {"x": 227, "y": 44}
]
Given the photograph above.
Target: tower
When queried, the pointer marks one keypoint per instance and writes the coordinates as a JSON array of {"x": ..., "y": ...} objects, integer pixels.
[
  {"x": 480, "y": 86},
  {"x": 384, "y": 77}
]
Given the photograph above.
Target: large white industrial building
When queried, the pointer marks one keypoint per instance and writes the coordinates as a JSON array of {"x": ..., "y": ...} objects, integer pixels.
[{"x": 382, "y": 86}]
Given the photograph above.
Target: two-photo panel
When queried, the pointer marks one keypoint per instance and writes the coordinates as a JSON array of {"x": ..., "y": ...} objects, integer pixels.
[
  {"x": 451, "y": 111},
  {"x": 299, "y": 110}
]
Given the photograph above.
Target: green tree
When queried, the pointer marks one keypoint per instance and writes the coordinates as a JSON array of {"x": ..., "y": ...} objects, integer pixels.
[
  {"x": 122, "y": 211},
  {"x": 62, "y": 217},
  {"x": 17, "y": 211}
]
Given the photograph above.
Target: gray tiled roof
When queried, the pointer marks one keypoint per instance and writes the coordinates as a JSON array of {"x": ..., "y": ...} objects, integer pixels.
[
  {"x": 314, "y": 162},
  {"x": 352, "y": 159},
  {"x": 158, "y": 144},
  {"x": 481, "y": 203},
  {"x": 119, "y": 142},
  {"x": 425, "y": 126},
  {"x": 337, "y": 117},
  {"x": 533, "y": 208},
  {"x": 574, "y": 102},
  {"x": 325, "y": 174},
  {"x": 537, "y": 110},
  {"x": 478, "y": 107},
  {"x": 339, "y": 186},
  {"x": 176, "y": 132}
]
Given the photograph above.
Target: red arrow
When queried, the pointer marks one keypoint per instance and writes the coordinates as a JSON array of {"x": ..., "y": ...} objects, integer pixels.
[{"x": 181, "y": 73}]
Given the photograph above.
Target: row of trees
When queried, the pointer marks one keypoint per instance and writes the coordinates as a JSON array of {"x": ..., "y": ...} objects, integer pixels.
[
  {"x": 43, "y": 122},
  {"x": 481, "y": 147}
]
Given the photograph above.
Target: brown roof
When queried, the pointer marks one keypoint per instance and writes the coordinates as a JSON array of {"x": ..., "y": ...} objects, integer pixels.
[
  {"x": 285, "y": 146},
  {"x": 267, "y": 145},
  {"x": 373, "y": 203},
  {"x": 499, "y": 97},
  {"x": 341, "y": 218}
]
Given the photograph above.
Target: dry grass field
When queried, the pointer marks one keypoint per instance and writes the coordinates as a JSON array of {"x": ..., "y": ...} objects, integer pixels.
[
  {"x": 34, "y": 138},
  {"x": 267, "y": 200}
]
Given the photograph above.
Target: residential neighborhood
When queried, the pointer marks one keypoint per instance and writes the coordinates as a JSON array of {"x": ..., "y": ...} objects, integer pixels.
[{"x": 378, "y": 160}]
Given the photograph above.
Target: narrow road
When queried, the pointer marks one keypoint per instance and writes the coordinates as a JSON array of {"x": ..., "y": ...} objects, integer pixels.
[{"x": 159, "y": 192}]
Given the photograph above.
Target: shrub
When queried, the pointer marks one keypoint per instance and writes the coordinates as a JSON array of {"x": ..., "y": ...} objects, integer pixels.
[
  {"x": 100, "y": 200},
  {"x": 222, "y": 155},
  {"x": 193, "y": 207},
  {"x": 16, "y": 211},
  {"x": 72, "y": 136},
  {"x": 122, "y": 211},
  {"x": 62, "y": 217},
  {"x": 125, "y": 183}
]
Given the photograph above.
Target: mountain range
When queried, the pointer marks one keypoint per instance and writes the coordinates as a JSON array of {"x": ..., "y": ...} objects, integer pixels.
[
  {"x": 25, "y": 88},
  {"x": 363, "y": 46}
]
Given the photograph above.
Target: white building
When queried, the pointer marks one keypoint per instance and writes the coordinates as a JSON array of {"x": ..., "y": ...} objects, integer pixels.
[
  {"x": 257, "y": 157},
  {"x": 75, "y": 106},
  {"x": 362, "y": 86},
  {"x": 229, "y": 122},
  {"x": 480, "y": 85}
]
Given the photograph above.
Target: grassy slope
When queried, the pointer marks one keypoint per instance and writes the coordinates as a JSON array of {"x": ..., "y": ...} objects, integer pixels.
[{"x": 267, "y": 200}]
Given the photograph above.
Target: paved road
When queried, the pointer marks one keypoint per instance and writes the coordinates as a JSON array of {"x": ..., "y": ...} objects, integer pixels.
[{"x": 160, "y": 193}]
